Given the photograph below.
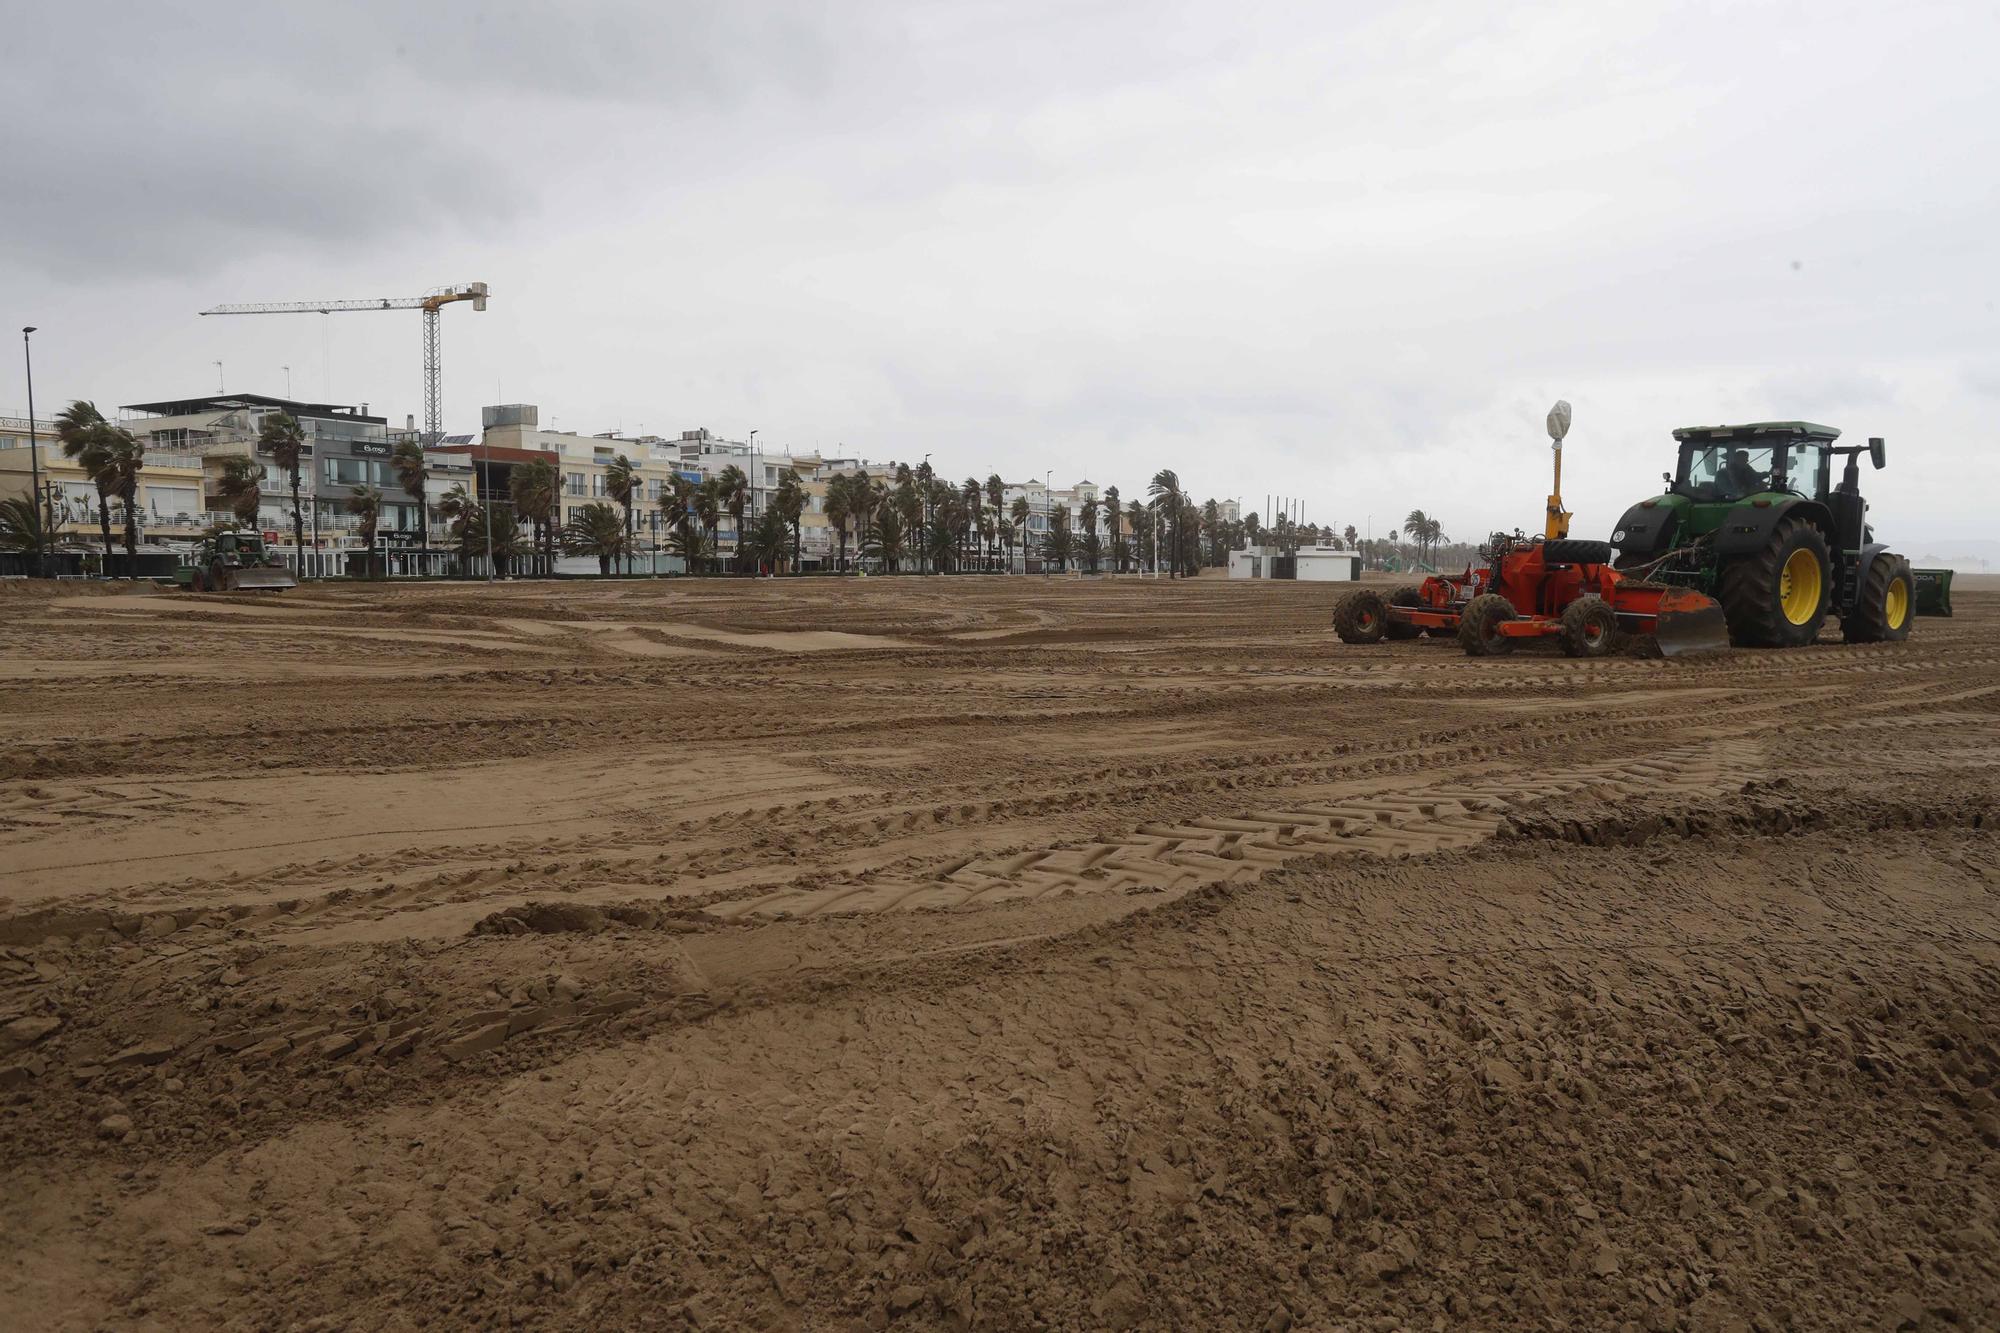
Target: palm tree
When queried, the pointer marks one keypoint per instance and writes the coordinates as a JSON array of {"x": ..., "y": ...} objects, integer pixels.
[
  {"x": 683, "y": 519},
  {"x": 281, "y": 437},
  {"x": 708, "y": 505},
  {"x": 734, "y": 489},
  {"x": 20, "y": 525},
  {"x": 1165, "y": 490},
  {"x": 789, "y": 503},
  {"x": 996, "y": 500},
  {"x": 1434, "y": 534},
  {"x": 1019, "y": 513},
  {"x": 770, "y": 536},
  {"x": 1056, "y": 543},
  {"x": 839, "y": 501},
  {"x": 240, "y": 487},
  {"x": 1112, "y": 518},
  {"x": 972, "y": 499},
  {"x": 942, "y": 536},
  {"x": 1091, "y": 545},
  {"x": 414, "y": 474},
  {"x": 536, "y": 489},
  {"x": 621, "y": 483},
  {"x": 124, "y": 458},
  {"x": 1417, "y": 527},
  {"x": 1211, "y": 523},
  {"x": 597, "y": 530},
  {"x": 507, "y": 541},
  {"x": 925, "y": 476},
  {"x": 1253, "y": 529},
  {"x": 366, "y": 501},
  {"x": 1137, "y": 518},
  {"x": 909, "y": 505},
  {"x": 886, "y": 542},
  {"x": 943, "y": 521},
  {"x": 80, "y": 428},
  {"x": 461, "y": 511},
  {"x": 1352, "y": 536}
]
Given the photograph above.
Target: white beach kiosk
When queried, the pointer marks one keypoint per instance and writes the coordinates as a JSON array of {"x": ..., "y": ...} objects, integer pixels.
[{"x": 1312, "y": 564}]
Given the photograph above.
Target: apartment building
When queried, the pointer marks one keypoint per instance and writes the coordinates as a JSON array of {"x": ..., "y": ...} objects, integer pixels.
[
  {"x": 169, "y": 501},
  {"x": 346, "y": 448},
  {"x": 512, "y": 432}
]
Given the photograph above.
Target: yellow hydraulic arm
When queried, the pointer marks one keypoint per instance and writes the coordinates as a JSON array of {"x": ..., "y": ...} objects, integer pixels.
[{"x": 1558, "y": 524}]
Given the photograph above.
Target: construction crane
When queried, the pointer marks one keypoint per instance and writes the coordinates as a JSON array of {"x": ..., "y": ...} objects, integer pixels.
[{"x": 430, "y": 303}]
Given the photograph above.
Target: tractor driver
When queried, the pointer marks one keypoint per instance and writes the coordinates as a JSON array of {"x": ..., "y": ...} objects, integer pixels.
[{"x": 1739, "y": 478}]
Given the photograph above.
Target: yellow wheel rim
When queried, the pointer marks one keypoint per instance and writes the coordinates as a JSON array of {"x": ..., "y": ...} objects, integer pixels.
[
  {"x": 1799, "y": 587},
  {"x": 1896, "y": 605}
]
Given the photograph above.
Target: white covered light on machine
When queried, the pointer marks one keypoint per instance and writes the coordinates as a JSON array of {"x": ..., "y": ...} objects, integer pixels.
[{"x": 1559, "y": 420}]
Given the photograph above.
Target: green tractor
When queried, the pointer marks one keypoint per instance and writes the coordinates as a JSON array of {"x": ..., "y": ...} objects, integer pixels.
[
  {"x": 230, "y": 561},
  {"x": 1751, "y": 517}
]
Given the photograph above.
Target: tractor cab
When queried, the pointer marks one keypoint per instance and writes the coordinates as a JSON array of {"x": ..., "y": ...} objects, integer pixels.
[{"x": 1730, "y": 464}]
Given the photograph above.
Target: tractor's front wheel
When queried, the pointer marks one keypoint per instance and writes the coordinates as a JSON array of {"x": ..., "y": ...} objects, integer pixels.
[
  {"x": 1588, "y": 627},
  {"x": 1408, "y": 596},
  {"x": 1883, "y": 607},
  {"x": 1777, "y": 598},
  {"x": 1479, "y": 626},
  {"x": 1361, "y": 617}
]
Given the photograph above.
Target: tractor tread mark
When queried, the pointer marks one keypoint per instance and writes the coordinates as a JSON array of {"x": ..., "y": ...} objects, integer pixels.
[{"x": 1174, "y": 857}]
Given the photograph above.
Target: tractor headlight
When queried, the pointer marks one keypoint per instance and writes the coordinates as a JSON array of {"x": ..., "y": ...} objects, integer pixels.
[{"x": 1618, "y": 536}]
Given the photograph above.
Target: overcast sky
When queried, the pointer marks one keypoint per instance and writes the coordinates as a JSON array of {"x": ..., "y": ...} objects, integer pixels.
[{"x": 1344, "y": 252}]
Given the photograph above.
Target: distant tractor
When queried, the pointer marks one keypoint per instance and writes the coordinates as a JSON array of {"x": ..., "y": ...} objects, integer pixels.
[
  {"x": 1547, "y": 587},
  {"x": 232, "y": 562},
  {"x": 1749, "y": 517}
]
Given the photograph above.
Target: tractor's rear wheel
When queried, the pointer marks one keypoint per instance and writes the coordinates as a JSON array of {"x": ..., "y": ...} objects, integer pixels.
[
  {"x": 1777, "y": 598},
  {"x": 1409, "y": 595},
  {"x": 218, "y": 577},
  {"x": 1588, "y": 627},
  {"x": 1479, "y": 626},
  {"x": 1883, "y": 607},
  {"x": 1361, "y": 617}
]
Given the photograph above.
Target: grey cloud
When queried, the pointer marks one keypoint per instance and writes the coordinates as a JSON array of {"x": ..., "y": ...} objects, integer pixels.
[
  {"x": 1351, "y": 249},
  {"x": 1825, "y": 390},
  {"x": 189, "y": 194}
]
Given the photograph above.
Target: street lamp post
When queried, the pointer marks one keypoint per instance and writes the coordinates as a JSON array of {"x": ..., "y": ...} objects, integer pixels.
[
  {"x": 1049, "y": 521},
  {"x": 486, "y": 496},
  {"x": 924, "y": 509},
  {"x": 755, "y": 471},
  {"x": 34, "y": 452}
]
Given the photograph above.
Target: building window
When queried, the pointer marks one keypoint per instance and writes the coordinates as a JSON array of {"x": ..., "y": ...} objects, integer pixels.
[
  {"x": 348, "y": 471},
  {"x": 174, "y": 501},
  {"x": 573, "y": 483}
]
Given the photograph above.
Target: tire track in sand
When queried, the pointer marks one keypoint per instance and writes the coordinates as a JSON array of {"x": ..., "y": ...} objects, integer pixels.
[{"x": 1175, "y": 858}]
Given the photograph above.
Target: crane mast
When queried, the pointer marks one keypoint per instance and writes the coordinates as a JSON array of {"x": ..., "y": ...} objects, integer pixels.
[{"x": 431, "y": 303}]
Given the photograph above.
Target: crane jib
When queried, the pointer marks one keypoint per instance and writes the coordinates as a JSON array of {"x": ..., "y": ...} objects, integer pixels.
[{"x": 430, "y": 303}]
